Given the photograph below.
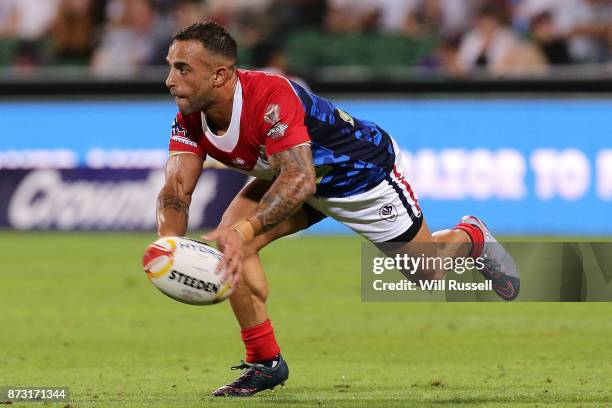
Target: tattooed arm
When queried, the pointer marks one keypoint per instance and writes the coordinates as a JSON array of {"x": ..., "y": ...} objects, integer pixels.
[
  {"x": 182, "y": 174},
  {"x": 295, "y": 183}
]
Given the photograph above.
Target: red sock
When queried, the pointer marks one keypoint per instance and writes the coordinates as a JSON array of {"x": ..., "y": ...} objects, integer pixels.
[
  {"x": 260, "y": 342},
  {"x": 476, "y": 236}
]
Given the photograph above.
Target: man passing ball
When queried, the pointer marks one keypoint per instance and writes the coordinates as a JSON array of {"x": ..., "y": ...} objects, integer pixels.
[{"x": 310, "y": 160}]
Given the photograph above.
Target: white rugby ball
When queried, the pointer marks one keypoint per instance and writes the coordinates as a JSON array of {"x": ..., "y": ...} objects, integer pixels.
[{"x": 185, "y": 270}]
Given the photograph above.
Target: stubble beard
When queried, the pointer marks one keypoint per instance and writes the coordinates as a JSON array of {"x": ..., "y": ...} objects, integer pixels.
[{"x": 194, "y": 106}]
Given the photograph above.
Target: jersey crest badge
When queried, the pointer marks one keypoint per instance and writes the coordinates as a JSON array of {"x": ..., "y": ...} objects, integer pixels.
[
  {"x": 346, "y": 117},
  {"x": 179, "y": 134},
  {"x": 177, "y": 129},
  {"x": 272, "y": 114}
]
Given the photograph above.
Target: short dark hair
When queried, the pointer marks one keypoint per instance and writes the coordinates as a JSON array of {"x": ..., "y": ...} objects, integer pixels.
[{"x": 212, "y": 35}]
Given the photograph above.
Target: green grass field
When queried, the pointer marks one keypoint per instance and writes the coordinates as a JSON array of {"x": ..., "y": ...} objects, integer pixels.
[{"x": 77, "y": 311}]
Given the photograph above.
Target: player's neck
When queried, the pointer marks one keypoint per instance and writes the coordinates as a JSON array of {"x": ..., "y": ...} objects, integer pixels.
[{"x": 220, "y": 112}]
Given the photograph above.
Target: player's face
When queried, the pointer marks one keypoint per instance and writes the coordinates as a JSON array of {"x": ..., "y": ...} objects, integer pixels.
[{"x": 190, "y": 77}]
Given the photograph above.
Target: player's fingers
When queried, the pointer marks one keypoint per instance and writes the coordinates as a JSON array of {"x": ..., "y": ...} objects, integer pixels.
[
  {"x": 229, "y": 274},
  {"x": 237, "y": 274},
  {"x": 228, "y": 260},
  {"x": 232, "y": 258},
  {"x": 226, "y": 276},
  {"x": 235, "y": 281},
  {"x": 222, "y": 266},
  {"x": 229, "y": 266},
  {"x": 225, "y": 270},
  {"x": 236, "y": 265},
  {"x": 234, "y": 261},
  {"x": 220, "y": 270}
]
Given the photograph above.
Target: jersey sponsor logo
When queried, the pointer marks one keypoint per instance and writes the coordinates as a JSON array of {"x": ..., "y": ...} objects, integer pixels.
[
  {"x": 388, "y": 213},
  {"x": 272, "y": 115},
  {"x": 240, "y": 163},
  {"x": 277, "y": 131},
  {"x": 184, "y": 140}
]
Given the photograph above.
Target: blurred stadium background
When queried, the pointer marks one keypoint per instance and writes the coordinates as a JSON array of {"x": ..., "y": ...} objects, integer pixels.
[{"x": 501, "y": 107}]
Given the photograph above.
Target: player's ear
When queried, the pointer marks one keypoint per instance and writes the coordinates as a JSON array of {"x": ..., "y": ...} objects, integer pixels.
[{"x": 221, "y": 76}]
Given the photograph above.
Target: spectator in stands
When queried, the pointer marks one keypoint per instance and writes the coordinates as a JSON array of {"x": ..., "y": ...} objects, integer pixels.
[
  {"x": 33, "y": 18},
  {"x": 298, "y": 14},
  {"x": 405, "y": 16},
  {"x": 552, "y": 44},
  {"x": 250, "y": 20},
  {"x": 445, "y": 58},
  {"x": 375, "y": 15},
  {"x": 342, "y": 17},
  {"x": 187, "y": 12},
  {"x": 32, "y": 21},
  {"x": 8, "y": 23},
  {"x": 594, "y": 26},
  {"x": 72, "y": 32},
  {"x": 182, "y": 14},
  {"x": 270, "y": 56},
  {"x": 585, "y": 23},
  {"x": 450, "y": 17},
  {"x": 8, "y": 18},
  {"x": 228, "y": 12},
  {"x": 132, "y": 35},
  {"x": 492, "y": 46}
]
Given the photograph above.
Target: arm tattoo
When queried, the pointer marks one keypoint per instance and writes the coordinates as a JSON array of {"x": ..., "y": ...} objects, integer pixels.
[
  {"x": 172, "y": 215},
  {"x": 174, "y": 203},
  {"x": 293, "y": 186}
]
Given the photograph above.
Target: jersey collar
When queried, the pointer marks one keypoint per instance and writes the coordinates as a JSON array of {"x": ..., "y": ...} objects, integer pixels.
[{"x": 229, "y": 140}]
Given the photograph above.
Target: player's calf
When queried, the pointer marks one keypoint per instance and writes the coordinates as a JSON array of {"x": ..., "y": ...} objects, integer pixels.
[{"x": 420, "y": 245}]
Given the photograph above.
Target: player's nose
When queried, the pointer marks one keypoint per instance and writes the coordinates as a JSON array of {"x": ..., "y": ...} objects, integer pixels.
[{"x": 170, "y": 80}]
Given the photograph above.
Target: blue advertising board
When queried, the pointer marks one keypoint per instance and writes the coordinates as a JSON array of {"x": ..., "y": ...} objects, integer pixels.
[
  {"x": 532, "y": 166},
  {"x": 104, "y": 199}
]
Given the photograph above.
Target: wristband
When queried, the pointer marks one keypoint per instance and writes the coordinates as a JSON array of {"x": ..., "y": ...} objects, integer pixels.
[{"x": 245, "y": 229}]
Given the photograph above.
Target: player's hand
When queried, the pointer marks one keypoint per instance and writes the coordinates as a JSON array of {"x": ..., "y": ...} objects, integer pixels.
[{"x": 230, "y": 243}]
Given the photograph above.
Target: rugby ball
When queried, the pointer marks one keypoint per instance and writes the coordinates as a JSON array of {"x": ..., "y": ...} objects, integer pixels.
[{"x": 185, "y": 270}]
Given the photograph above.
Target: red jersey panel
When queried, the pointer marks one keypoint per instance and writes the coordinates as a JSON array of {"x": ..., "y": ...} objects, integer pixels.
[{"x": 267, "y": 118}]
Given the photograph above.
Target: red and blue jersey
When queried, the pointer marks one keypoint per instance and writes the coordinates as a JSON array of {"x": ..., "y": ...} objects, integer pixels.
[{"x": 272, "y": 114}]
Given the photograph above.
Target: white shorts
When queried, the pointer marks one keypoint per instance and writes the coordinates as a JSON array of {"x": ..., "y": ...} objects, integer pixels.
[{"x": 389, "y": 211}]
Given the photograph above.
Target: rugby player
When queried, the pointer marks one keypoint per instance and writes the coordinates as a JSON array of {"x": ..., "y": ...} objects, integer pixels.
[{"x": 310, "y": 160}]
